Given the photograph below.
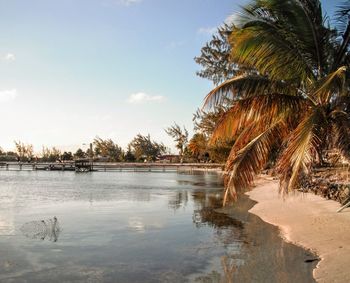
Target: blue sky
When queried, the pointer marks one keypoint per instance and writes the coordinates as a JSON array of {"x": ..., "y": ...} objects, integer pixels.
[{"x": 74, "y": 69}]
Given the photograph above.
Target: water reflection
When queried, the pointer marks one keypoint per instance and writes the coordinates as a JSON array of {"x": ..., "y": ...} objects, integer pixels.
[
  {"x": 206, "y": 213},
  {"x": 43, "y": 229},
  {"x": 228, "y": 266},
  {"x": 121, "y": 227},
  {"x": 6, "y": 225},
  {"x": 227, "y": 231},
  {"x": 136, "y": 224},
  {"x": 178, "y": 200}
]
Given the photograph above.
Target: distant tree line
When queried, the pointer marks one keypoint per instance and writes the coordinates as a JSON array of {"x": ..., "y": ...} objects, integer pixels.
[{"x": 140, "y": 149}]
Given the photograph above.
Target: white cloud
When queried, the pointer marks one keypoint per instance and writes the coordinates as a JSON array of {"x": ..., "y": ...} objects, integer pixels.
[
  {"x": 129, "y": 2},
  {"x": 10, "y": 57},
  {"x": 207, "y": 30},
  {"x": 230, "y": 20},
  {"x": 8, "y": 95},
  {"x": 141, "y": 97}
]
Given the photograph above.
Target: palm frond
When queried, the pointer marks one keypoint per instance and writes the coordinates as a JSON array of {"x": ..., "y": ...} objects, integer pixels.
[
  {"x": 285, "y": 39},
  {"x": 343, "y": 26},
  {"x": 312, "y": 21},
  {"x": 333, "y": 83},
  {"x": 302, "y": 148},
  {"x": 243, "y": 86},
  {"x": 267, "y": 108},
  {"x": 242, "y": 166},
  {"x": 261, "y": 47}
]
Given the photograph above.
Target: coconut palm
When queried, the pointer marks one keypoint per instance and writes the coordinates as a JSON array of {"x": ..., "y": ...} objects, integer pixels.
[{"x": 293, "y": 91}]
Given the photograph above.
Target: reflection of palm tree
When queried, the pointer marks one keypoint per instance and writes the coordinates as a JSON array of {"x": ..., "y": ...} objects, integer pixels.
[
  {"x": 229, "y": 268},
  {"x": 207, "y": 199},
  {"x": 177, "y": 200},
  {"x": 206, "y": 213},
  {"x": 227, "y": 231},
  {"x": 292, "y": 89}
]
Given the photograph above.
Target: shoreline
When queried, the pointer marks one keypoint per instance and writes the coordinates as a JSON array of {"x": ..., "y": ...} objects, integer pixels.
[{"x": 309, "y": 221}]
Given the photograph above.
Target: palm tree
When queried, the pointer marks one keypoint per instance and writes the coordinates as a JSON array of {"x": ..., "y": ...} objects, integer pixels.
[{"x": 292, "y": 91}]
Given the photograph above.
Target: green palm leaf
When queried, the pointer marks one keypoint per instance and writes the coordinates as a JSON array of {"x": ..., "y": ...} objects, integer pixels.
[{"x": 243, "y": 86}]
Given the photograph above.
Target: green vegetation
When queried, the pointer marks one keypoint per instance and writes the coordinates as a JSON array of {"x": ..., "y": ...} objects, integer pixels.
[
  {"x": 50, "y": 154},
  {"x": 140, "y": 149},
  {"x": 143, "y": 148},
  {"x": 8, "y": 156},
  {"x": 107, "y": 149},
  {"x": 288, "y": 88},
  {"x": 24, "y": 151},
  {"x": 79, "y": 154},
  {"x": 214, "y": 57},
  {"x": 201, "y": 146}
]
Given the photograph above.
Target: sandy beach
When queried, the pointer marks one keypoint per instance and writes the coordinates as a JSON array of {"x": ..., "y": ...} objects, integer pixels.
[{"x": 310, "y": 221}]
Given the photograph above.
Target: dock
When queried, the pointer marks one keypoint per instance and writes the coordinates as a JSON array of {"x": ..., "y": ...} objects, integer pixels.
[{"x": 86, "y": 166}]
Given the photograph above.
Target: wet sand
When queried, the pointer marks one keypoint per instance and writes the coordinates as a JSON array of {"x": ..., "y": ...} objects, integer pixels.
[
  {"x": 309, "y": 221},
  {"x": 265, "y": 255}
]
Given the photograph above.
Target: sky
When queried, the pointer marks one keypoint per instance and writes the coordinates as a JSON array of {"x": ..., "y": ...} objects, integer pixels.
[{"x": 71, "y": 70}]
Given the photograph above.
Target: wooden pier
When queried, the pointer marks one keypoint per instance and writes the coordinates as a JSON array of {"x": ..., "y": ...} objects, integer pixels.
[
  {"x": 87, "y": 166},
  {"x": 83, "y": 165}
]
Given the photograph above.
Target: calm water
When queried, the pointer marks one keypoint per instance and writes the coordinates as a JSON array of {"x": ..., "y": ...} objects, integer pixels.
[{"x": 136, "y": 227}]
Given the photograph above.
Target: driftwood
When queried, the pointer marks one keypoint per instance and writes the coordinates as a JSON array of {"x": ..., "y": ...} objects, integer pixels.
[{"x": 344, "y": 206}]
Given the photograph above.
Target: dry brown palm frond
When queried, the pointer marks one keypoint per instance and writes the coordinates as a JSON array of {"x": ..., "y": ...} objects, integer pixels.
[
  {"x": 268, "y": 107},
  {"x": 242, "y": 166},
  {"x": 302, "y": 148},
  {"x": 253, "y": 129}
]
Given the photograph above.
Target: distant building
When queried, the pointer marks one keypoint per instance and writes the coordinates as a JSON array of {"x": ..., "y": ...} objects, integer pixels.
[{"x": 168, "y": 158}]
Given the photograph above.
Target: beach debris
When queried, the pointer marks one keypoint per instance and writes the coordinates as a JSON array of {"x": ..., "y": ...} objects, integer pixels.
[
  {"x": 344, "y": 206},
  {"x": 330, "y": 183},
  {"x": 42, "y": 229},
  {"x": 311, "y": 260},
  {"x": 328, "y": 187}
]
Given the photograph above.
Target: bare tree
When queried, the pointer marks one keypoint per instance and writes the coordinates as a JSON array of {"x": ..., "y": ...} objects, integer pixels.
[{"x": 180, "y": 136}]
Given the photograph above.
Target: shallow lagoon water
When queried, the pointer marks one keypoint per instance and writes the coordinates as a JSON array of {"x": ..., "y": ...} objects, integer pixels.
[{"x": 137, "y": 227}]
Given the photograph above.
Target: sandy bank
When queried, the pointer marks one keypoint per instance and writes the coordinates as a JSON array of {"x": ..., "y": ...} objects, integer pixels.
[{"x": 310, "y": 221}]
